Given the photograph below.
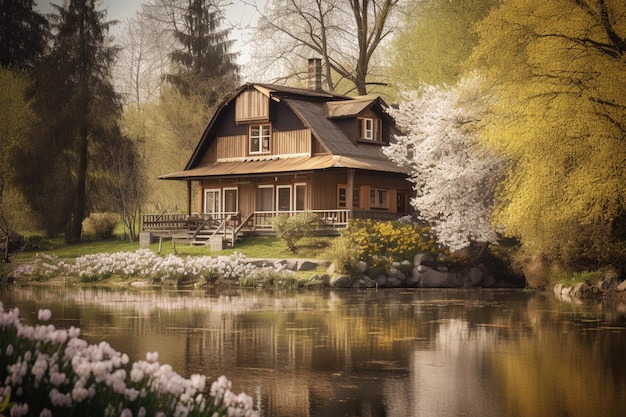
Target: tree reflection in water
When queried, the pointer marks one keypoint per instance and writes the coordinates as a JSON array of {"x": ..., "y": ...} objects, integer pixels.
[{"x": 367, "y": 353}]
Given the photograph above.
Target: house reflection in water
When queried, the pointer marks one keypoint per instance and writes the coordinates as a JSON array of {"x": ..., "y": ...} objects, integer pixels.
[{"x": 364, "y": 353}]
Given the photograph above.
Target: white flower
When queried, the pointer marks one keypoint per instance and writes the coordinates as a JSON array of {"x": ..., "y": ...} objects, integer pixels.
[
  {"x": 126, "y": 413},
  {"x": 19, "y": 410},
  {"x": 152, "y": 357},
  {"x": 45, "y": 413},
  {"x": 44, "y": 314}
]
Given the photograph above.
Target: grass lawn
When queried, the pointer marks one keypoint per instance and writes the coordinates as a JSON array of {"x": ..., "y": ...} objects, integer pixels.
[{"x": 254, "y": 247}]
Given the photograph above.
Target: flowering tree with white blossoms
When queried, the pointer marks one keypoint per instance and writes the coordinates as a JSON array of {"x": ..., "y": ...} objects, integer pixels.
[{"x": 454, "y": 175}]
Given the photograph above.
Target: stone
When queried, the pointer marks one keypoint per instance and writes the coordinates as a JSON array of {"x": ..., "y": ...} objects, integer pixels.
[
  {"x": 364, "y": 282},
  {"x": 412, "y": 281},
  {"x": 362, "y": 266},
  {"x": 489, "y": 281},
  {"x": 557, "y": 289},
  {"x": 381, "y": 280},
  {"x": 393, "y": 282},
  {"x": 610, "y": 281},
  {"x": 431, "y": 278},
  {"x": 341, "y": 281},
  {"x": 291, "y": 264},
  {"x": 280, "y": 264},
  {"x": 475, "y": 277},
  {"x": 323, "y": 279},
  {"x": 576, "y": 290},
  {"x": 305, "y": 265},
  {"x": 423, "y": 259}
]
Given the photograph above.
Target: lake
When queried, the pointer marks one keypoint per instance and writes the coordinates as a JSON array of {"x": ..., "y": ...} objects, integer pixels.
[{"x": 367, "y": 353}]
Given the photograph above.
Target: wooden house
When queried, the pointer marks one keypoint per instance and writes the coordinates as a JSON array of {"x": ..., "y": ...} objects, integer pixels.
[{"x": 271, "y": 149}]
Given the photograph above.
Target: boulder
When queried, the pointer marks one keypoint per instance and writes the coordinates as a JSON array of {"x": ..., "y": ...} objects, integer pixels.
[
  {"x": 412, "y": 280},
  {"x": 341, "y": 281},
  {"x": 381, "y": 280},
  {"x": 431, "y": 278},
  {"x": 557, "y": 289},
  {"x": 475, "y": 277},
  {"x": 305, "y": 265},
  {"x": 364, "y": 282},
  {"x": 423, "y": 259},
  {"x": 393, "y": 282},
  {"x": 323, "y": 279}
]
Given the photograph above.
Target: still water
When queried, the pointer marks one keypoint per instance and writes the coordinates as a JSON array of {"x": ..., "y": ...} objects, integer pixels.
[{"x": 395, "y": 353}]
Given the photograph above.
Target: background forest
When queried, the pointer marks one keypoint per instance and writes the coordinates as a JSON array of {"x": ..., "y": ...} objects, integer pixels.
[{"x": 513, "y": 112}]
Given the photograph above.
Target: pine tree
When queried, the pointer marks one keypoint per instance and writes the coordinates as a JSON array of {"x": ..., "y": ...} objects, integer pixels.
[
  {"x": 22, "y": 34},
  {"x": 77, "y": 109},
  {"x": 204, "y": 64}
]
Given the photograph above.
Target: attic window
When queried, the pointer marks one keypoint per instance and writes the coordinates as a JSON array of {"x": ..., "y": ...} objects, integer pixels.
[
  {"x": 260, "y": 139},
  {"x": 369, "y": 129}
]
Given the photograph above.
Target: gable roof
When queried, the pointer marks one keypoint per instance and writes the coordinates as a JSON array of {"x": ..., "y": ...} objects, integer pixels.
[
  {"x": 316, "y": 109},
  {"x": 352, "y": 107}
]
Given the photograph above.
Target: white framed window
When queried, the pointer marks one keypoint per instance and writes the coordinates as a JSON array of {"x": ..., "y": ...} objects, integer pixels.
[
  {"x": 378, "y": 198},
  {"x": 299, "y": 196},
  {"x": 283, "y": 198},
  {"x": 265, "y": 198},
  {"x": 260, "y": 138},
  {"x": 231, "y": 200},
  {"x": 212, "y": 200},
  {"x": 370, "y": 129}
]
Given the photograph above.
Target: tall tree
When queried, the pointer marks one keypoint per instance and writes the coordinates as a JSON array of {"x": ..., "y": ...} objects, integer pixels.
[
  {"x": 434, "y": 41},
  {"x": 22, "y": 34},
  {"x": 17, "y": 116},
  {"x": 454, "y": 176},
  {"x": 205, "y": 66},
  {"x": 77, "y": 108},
  {"x": 556, "y": 71},
  {"x": 123, "y": 184},
  {"x": 345, "y": 34}
]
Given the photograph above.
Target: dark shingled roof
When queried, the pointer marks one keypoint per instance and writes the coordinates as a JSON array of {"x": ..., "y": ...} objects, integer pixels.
[
  {"x": 333, "y": 139},
  {"x": 316, "y": 109}
]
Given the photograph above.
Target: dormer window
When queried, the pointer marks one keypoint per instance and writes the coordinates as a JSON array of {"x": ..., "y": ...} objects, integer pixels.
[
  {"x": 370, "y": 129},
  {"x": 260, "y": 138}
]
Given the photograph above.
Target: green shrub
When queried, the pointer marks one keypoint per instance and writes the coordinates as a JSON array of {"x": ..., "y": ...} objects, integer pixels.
[
  {"x": 100, "y": 226},
  {"x": 293, "y": 228}
]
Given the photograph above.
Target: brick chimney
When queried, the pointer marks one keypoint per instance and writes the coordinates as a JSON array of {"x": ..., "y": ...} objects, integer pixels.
[{"x": 315, "y": 74}]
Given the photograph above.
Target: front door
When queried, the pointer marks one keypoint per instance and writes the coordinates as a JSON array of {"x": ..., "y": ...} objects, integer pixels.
[
  {"x": 283, "y": 198},
  {"x": 212, "y": 201}
]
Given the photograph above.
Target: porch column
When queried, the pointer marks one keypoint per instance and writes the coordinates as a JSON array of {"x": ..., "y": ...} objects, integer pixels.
[
  {"x": 189, "y": 198},
  {"x": 350, "y": 191}
]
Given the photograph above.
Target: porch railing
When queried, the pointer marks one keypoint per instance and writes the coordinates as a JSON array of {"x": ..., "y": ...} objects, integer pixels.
[
  {"x": 328, "y": 218},
  {"x": 259, "y": 220}
]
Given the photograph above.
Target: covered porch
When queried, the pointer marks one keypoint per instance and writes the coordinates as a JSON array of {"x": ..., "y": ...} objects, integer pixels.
[{"x": 229, "y": 227}]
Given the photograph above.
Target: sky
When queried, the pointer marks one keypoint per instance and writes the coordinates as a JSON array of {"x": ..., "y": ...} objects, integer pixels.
[{"x": 237, "y": 15}]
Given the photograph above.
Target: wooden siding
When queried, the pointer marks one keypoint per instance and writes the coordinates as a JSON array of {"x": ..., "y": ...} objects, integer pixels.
[
  {"x": 232, "y": 147},
  {"x": 228, "y": 148},
  {"x": 320, "y": 194},
  {"x": 252, "y": 105},
  {"x": 295, "y": 142}
]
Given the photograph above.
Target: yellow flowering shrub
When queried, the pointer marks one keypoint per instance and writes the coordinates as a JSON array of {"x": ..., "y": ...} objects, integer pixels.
[{"x": 380, "y": 244}]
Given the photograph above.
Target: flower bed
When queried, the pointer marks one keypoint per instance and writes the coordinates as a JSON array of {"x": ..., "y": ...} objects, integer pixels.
[
  {"x": 48, "y": 372},
  {"x": 145, "y": 264}
]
